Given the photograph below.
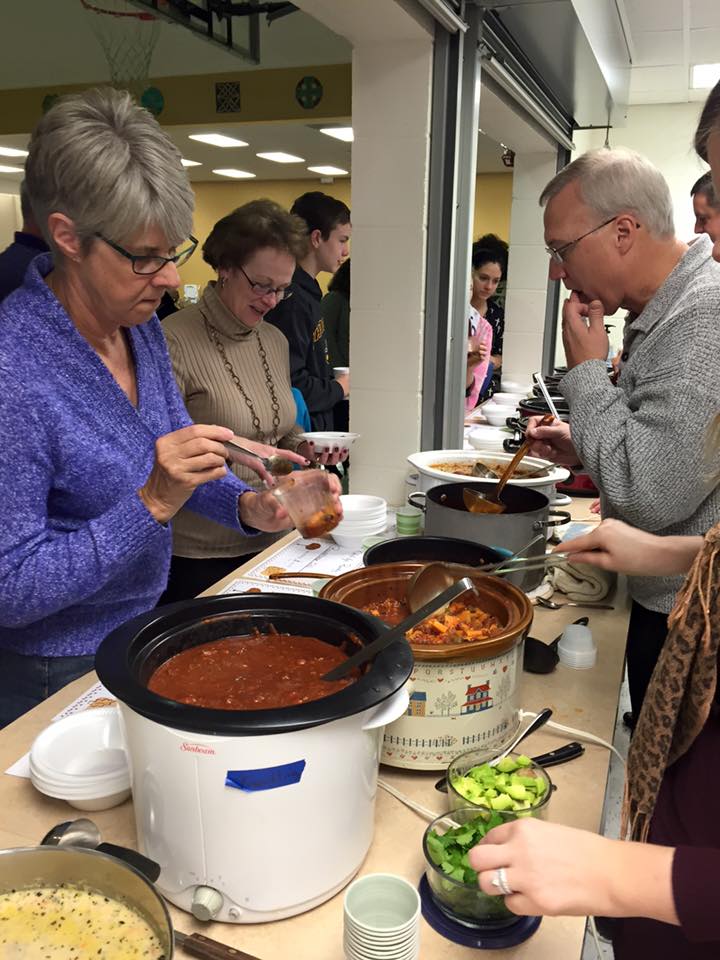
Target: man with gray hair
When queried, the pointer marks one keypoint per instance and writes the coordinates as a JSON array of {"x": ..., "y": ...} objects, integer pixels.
[
  {"x": 610, "y": 236},
  {"x": 706, "y": 207},
  {"x": 27, "y": 244}
]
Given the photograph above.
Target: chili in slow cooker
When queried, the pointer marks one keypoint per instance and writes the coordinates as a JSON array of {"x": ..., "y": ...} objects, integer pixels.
[
  {"x": 462, "y": 622},
  {"x": 257, "y": 672}
]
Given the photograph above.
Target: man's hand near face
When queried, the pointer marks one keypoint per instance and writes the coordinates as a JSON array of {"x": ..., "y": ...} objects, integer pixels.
[{"x": 583, "y": 329}]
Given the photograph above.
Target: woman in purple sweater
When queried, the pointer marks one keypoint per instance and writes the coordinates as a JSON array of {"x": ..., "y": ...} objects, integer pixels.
[
  {"x": 662, "y": 886},
  {"x": 99, "y": 453}
]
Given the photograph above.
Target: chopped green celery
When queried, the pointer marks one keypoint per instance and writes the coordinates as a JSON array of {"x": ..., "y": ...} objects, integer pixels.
[
  {"x": 506, "y": 765},
  {"x": 523, "y": 761},
  {"x": 502, "y": 802}
]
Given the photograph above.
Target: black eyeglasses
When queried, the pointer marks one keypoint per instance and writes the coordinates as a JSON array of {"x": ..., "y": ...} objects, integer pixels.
[
  {"x": 265, "y": 289},
  {"x": 145, "y": 265},
  {"x": 558, "y": 254}
]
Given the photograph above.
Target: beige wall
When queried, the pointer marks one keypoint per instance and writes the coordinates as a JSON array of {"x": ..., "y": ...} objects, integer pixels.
[
  {"x": 493, "y": 200},
  {"x": 214, "y": 200}
]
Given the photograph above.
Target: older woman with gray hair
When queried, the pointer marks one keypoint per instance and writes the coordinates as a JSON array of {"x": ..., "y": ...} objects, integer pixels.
[{"x": 99, "y": 451}]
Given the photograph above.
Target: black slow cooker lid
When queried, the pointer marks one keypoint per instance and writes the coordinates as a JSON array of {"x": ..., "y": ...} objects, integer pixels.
[{"x": 128, "y": 656}]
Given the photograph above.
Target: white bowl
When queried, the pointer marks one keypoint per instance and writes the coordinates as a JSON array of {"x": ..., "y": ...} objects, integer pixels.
[
  {"x": 360, "y": 503},
  {"x": 101, "y": 803},
  {"x": 84, "y": 745},
  {"x": 507, "y": 399},
  {"x": 326, "y": 441},
  {"x": 348, "y": 541},
  {"x": 496, "y": 415},
  {"x": 361, "y": 529},
  {"x": 486, "y": 437}
]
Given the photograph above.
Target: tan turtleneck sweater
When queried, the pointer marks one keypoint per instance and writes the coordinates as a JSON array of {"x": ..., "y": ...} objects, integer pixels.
[{"x": 211, "y": 396}]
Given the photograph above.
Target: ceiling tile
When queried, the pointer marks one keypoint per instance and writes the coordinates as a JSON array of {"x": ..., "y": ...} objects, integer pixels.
[
  {"x": 654, "y": 15},
  {"x": 705, "y": 45},
  {"x": 658, "y": 48},
  {"x": 704, "y": 13},
  {"x": 654, "y": 79}
]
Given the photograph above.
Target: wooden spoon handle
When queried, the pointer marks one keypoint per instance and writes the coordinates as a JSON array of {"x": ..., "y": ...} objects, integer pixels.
[
  {"x": 512, "y": 466},
  {"x": 289, "y": 575}
]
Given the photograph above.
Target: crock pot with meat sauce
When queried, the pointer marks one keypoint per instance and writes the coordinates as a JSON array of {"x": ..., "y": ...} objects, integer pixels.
[
  {"x": 263, "y": 671},
  {"x": 463, "y": 622}
]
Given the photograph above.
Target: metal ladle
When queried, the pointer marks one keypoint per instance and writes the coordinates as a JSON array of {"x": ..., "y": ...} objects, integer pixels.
[
  {"x": 476, "y": 502},
  {"x": 429, "y": 581},
  {"x": 276, "y": 465}
]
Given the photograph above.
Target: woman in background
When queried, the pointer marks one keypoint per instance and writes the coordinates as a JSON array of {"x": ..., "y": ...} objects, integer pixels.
[
  {"x": 233, "y": 368},
  {"x": 489, "y": 266}
]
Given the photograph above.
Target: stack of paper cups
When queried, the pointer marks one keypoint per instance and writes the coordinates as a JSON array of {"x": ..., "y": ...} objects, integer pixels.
[
  {"x": 381, "y": 919},
  {"x": 576, "y": 648}
]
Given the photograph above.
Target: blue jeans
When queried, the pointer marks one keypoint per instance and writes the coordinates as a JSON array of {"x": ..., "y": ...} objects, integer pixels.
[{"x": 27, "y": 681}]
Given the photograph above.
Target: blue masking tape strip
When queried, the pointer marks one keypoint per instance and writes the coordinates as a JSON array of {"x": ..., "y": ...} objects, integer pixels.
[{"x": 266, "y": 778}]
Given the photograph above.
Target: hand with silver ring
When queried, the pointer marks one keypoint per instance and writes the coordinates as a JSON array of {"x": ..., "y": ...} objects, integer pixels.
[{"x": 499, "y": 880}]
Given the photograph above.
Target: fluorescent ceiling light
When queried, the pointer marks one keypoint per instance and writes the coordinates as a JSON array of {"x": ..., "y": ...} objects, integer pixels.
[
  {"x": 235, "y": 174},
  {"x": 4, "y": 169},
  {"x": 217, "y": 140},
  {"x": 340, "y": 133},
  {"x": 12, "y": 152},
  {"x": 278, "y": 156},
  {"x": 328, "y": 171},
  {"x": 190, "y": 163},
  {"x": 704, "y": 75}
]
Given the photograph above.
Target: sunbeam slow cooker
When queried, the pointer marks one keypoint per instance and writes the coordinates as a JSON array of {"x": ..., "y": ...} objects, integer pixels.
[{"x": 262, "y": 814}]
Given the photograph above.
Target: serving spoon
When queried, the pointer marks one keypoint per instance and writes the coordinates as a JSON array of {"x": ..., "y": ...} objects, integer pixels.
[
  {"x": 554, "y": 605},
  {"x": 397, "y": 633},
  {"x": 276, "y": 465},
  {"x": 433, "y": 578},
  {"x": 476, "y": 502}
]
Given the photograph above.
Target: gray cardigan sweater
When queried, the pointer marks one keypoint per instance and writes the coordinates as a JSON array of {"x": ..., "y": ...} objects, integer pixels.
[{"x": 644, "y": 442}]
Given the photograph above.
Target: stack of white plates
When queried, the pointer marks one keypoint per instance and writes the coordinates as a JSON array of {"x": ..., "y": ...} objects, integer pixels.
[
  {"x": 363, "y": 517},
  {"x": 81, "y": 759}
]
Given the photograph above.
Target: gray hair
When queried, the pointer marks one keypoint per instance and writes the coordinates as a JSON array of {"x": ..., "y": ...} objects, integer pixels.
[
  {"x": 613, "y": 181},
  {"x": 104, "y": 162}
]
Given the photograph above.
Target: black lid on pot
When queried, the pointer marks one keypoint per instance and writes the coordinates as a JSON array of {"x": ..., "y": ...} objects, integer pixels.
[{"x": 128, "y": 656}]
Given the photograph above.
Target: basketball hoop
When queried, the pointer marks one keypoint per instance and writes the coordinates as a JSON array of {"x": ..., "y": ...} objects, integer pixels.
[{"x": 128, "y": 37}]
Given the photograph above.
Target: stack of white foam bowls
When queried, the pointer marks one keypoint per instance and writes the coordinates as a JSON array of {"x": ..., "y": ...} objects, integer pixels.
[
  {"x": 381, "y": 917},
  {"x": 81, "y": 759},
  {"x": 363, "y": 517}
]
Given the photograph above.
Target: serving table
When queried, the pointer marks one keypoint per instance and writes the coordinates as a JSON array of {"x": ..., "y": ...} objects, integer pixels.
[{"x": 583, "y": 699}]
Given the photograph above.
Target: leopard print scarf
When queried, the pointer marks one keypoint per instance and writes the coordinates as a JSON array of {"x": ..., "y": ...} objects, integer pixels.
[{"x": 681, "y": 691}]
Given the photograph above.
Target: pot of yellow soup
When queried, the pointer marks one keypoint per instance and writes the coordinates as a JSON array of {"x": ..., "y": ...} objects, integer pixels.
[{"x": 68, "y": 902}]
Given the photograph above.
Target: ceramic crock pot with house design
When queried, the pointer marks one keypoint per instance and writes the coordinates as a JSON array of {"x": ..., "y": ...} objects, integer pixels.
[
  {"x": 253, "y": 815},
  {"x": 462, "y": 695}
]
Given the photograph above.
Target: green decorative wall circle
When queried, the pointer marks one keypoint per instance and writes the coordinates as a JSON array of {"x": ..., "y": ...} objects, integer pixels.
[
  {"x": 153, "y": 100},
  {"x": 308, "y": 92}
]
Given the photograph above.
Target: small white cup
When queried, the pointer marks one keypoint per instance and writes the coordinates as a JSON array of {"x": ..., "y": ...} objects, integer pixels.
[{"x": 381, "y": 914}]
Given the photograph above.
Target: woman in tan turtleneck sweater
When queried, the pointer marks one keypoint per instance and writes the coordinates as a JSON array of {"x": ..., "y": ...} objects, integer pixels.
[{"x": 234, "y": 369}]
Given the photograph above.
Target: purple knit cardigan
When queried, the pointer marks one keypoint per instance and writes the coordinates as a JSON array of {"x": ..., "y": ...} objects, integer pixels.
[{"x": 79, "y": 552}]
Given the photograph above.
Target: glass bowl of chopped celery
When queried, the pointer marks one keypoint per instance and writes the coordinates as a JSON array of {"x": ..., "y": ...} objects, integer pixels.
[
  {"x": 516, "y": 785},
  {"x": 453, "y": 883}
]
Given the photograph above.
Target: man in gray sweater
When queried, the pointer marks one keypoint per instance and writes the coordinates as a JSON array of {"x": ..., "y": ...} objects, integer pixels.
[{"x": 610, "y": 235}]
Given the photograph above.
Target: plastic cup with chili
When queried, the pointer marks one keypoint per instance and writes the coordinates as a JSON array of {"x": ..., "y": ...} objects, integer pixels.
[{"x": 308, "y": 498}]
